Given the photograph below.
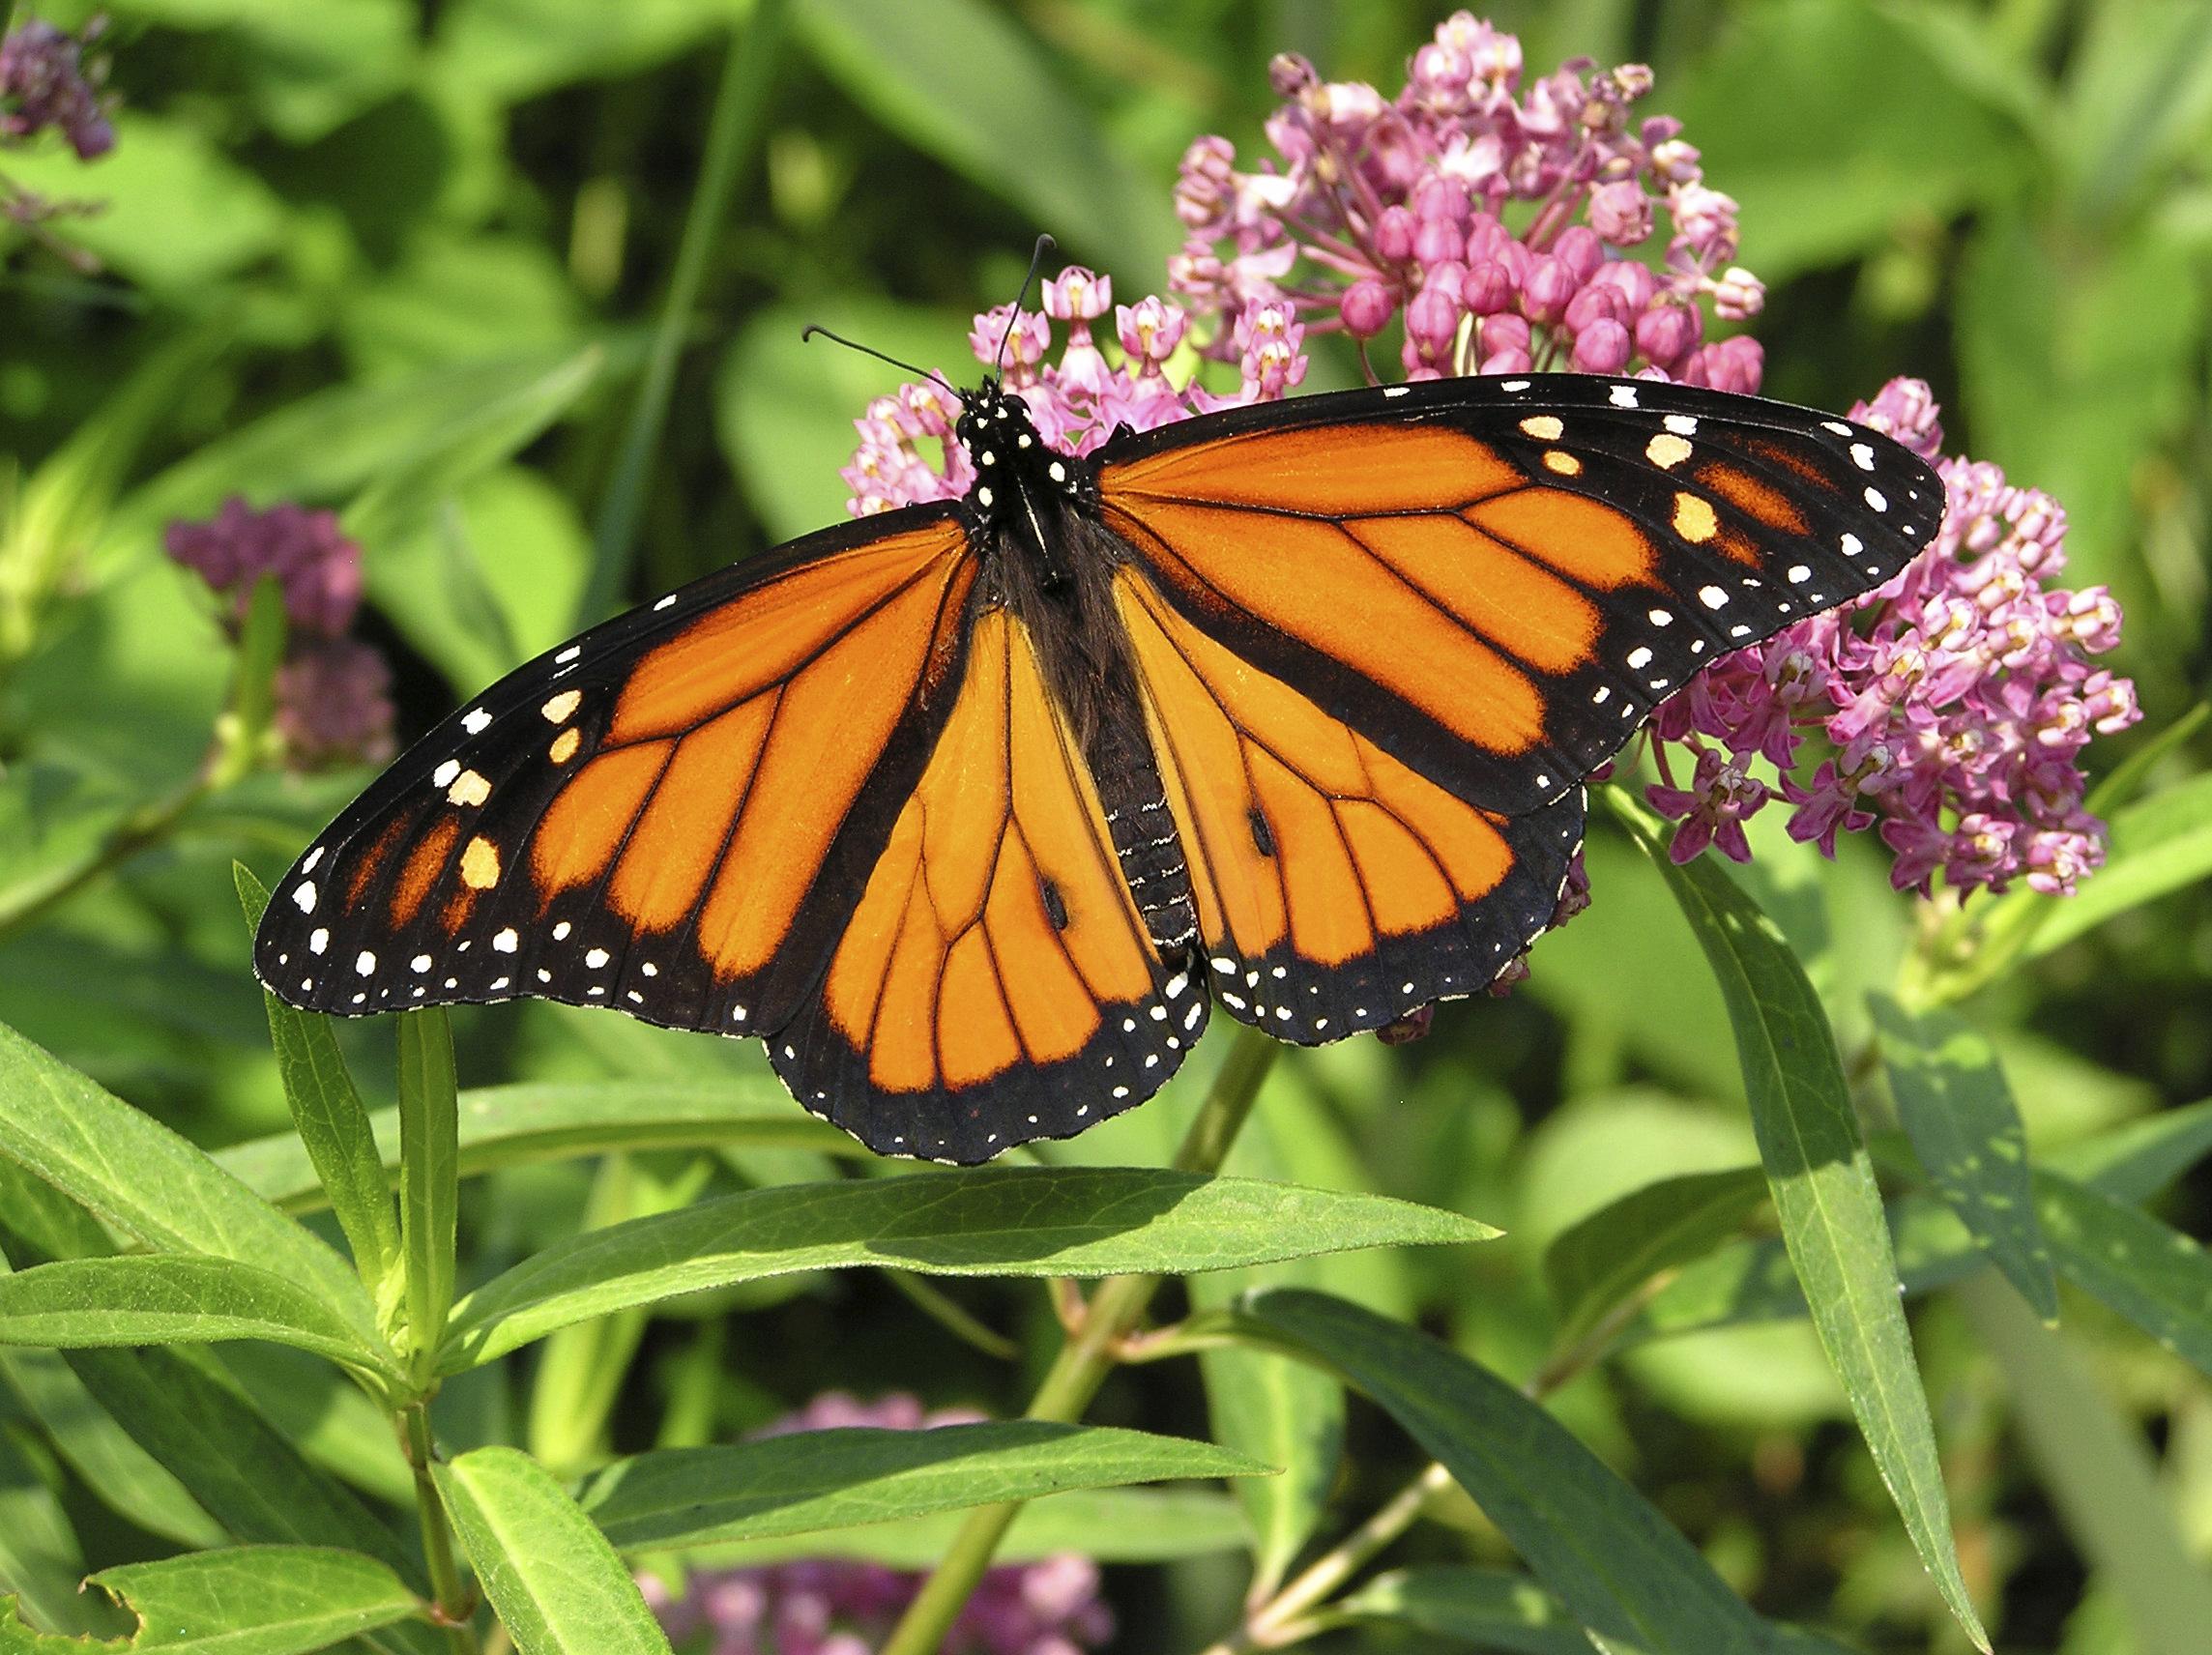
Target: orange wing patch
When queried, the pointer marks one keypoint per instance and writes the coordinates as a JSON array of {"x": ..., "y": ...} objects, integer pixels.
[
  {"x": 1311, "y": 850},
  {"x": 1329, "y": 471},
  {"x": 995, "y": 926},
  {"x": 996, "y": 982}
]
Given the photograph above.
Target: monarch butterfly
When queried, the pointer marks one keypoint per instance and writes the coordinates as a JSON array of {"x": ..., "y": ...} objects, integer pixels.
[{"x": 975, "y": 809}]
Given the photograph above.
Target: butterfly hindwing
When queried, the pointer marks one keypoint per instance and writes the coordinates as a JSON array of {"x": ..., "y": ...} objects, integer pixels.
[
  {"x": 1336, "y": 887},
  {"x": 996, "y": 982},
  {"x": 666, "y": 815},
  {"x": 1499, "y": 579}
]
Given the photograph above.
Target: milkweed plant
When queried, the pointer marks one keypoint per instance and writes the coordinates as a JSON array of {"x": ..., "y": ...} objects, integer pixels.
[{"x": 590, "y": 1341}]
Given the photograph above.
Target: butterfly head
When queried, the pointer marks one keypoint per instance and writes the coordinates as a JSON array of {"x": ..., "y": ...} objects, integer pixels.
[{"x": 1014, "y": 462}]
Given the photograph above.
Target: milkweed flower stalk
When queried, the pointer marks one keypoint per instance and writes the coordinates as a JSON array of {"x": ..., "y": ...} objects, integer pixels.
[
  {"x": 1485, "y": 213},
  {"x": 1504, "y": 224},
  {"x": 839, "y": 1606},
  {"x": 333, "y": 690},
  {"x": 1949, "y": 709}
]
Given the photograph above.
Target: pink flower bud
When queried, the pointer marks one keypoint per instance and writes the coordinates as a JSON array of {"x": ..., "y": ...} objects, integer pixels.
[
  {"x": 1486, "y": 236},
  {"x": 1668, "y": 331},
  {"x": 1395, "y": 228},
  {"x": 1602, "y": 347},
  {"x": 1633, "y": 281},
  {"x": 1675, "y": 161},
  {"x": 1441, "y": 197},
  {"x": 1580, "y": 250},
  {"x": 1620, "y": 213},
  {"x": 1290, "y": 75},
  {"x": 1150, "y": 330},
  {"x": 1433, "y": 318},
  {"x": 1550, "y": 285},
  {"x": 1366, "y": 308},
  {"x": 1508, "y": 333},
  {"x": 1599, "y": 302},
  {"x": 1436, "y": 240},
  {"x": 1487, "y": 288}
]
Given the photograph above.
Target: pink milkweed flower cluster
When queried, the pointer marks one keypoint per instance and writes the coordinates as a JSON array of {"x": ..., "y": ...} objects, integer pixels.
[
  {"x": 906, "y": 453},
  {"x": 1955, "y": 701},
  {"x": 837, "y": 1607},
  {"x": 334, "y": 691},
  {"x": 1481, "y": 212},
  {"x": 45, "y": 83},
  {"x": 1509, "y": 225}
]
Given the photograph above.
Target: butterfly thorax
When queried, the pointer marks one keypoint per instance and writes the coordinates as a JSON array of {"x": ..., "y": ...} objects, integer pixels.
[{"x": 1050, "y": 561}]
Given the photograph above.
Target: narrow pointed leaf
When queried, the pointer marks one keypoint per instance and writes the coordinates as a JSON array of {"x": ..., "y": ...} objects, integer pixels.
[
  {"x": 1108, "y": 1525},
  {"x": 122, "y": 1476},
  {"x": 334, "y": 1130},
  {"x": 558, "y": 1586},
  {"x": 170, "y": 1298},
  {"x": 1490, "y": 1608},
  {"x": 141, "y": 1176},
  {"x": 512, "y": 1125},
  {"x": 1593, "y": 1265},
  {"x": 1952, "y": 1096},
  {"x": 1619, "y": 1566},
  {"x": 837, "y": 1479},
  {"x": 2151, "y": 1273},
  {"x": 2135, "y": 1161},
  {"x": 2097, "y": 1469},
  {"x": 1825, "y": 1194},
  {"x": 1013, "y": 1221},
  {"x": 256, "y": 1600}
]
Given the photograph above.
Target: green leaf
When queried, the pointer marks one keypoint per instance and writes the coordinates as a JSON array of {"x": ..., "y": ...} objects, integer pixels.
[
  {"x": 40, "y": 1555},
  {"x": 125, "y": 1478},
  {"x": 322, "y": 447},
  {"x": 430, "y": 1175},
  {"x": 2098, "y": 1471},
  {"x": 505, "y": 51},
  {"x": 2159, "y": 844},
  {"x": 1594, "y": 1266},
  {"x": 1591, "y": 1538},
  {"x": 784, "y": 409},
  {"x": 839, "y": 1478},
  {"x": 557, "y": 1586},
  {"x": 334, "y": 1130},
  {"x": 515, "y": 1125},
  {"x": 175, "y": 212},
  {"x": 189, "y": 1414},
  {"x": 405, "y": 494},
  {"x": 967, "y": 84},
  {"x": 1011, "y": 1221},
  {"x": 144, "y": 1179},
  {"x": 167, "y": 1298},
  {"x": 2135, "y": 1161},
  {"x": 1282, "y": 1413},
  {"x": 255, "y": 1600},
  {"x": 2151, "y": 1273},
  {"x": 1825, "y": 1194},
  {"x": 1493, "y": 1608},
  {"x": 1109, "y": 1525},
  {"x": 1833, "y": 124},
  {"x": 1952, "y": 1096}
]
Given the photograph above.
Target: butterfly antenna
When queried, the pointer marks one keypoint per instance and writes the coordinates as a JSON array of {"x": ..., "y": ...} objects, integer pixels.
[
  {"x": 1044, "y": 246},
  {"x": 813, "y": 328}
]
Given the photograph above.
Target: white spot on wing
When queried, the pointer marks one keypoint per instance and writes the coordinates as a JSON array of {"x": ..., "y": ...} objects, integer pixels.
[
  {"x": 476, "y": 721},
  {"x": 303, "y": 893},
  {"x": 506, "y": 942}
]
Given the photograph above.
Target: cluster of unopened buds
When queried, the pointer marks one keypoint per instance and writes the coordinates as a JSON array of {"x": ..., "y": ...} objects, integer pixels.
[
  {"x": 46, "y": 84},
  {"x": 334, "y": 691},
  {"x": 1506, "y": 225},
  {"x": 843, "y": 1607}
]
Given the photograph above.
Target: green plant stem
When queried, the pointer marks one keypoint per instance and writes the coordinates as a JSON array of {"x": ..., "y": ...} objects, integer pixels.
[
  {"x": 1087, "y": 1357},
  {"x": 740, "y": 104},
  {"x": 456, "y": 1608}
]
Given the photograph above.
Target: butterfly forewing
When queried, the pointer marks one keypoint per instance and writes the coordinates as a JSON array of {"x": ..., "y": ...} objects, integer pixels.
[
  {"x": 670, "y": 815},
  {"x": 1497, "y": 580}
]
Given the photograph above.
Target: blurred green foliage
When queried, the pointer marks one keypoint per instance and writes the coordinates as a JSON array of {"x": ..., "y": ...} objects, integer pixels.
[{"x": 408, "y": 260}]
